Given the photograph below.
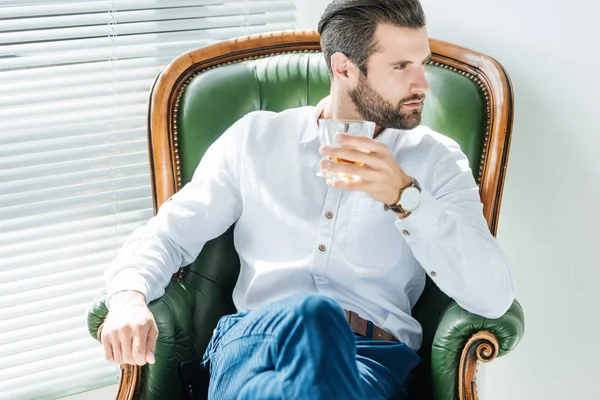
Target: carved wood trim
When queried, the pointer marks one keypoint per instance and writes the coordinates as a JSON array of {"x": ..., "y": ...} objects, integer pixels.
[
  {"x": 493, "y": 79},
  {"x": 129, "y": 382},
  {"x": 483, "y": 70},
  {"x": 483, "y": 346}
]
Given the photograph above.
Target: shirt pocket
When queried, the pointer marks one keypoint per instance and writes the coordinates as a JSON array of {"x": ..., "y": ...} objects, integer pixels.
[{"x": 373, "y": 239}]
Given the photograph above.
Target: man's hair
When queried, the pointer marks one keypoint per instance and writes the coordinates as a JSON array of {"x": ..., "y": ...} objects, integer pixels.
[{"x": 348, "y": 26}]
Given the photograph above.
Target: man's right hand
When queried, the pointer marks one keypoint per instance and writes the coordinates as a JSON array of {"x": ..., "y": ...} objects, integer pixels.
[{"x": 129, "y": 333}]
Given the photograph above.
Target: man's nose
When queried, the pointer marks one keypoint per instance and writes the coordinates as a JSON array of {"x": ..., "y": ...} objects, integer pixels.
[{"x": 420, "y": 84}]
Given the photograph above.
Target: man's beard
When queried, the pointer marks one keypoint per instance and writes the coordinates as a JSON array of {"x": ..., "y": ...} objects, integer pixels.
[{"x": 372, "y": 107}]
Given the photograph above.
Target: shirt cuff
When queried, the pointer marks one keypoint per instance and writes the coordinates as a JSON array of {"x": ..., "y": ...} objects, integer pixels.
[
  {"x": 126, "y": 280},
  {"x": 424, "y": 222}
]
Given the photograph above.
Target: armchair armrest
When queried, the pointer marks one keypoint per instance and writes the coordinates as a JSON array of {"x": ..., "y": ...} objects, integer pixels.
[
  {"x": 173, "y": 313},
  {"x": 462, "y": 339}
]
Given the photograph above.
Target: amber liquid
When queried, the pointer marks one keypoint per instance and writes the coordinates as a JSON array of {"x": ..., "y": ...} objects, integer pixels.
[
  {"x": 344, "y": 161},
  {"x": 347, "y": 177}
]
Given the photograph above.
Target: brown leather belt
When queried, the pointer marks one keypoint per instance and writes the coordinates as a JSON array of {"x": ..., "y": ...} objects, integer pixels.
[{"x": 367, "y": 328}]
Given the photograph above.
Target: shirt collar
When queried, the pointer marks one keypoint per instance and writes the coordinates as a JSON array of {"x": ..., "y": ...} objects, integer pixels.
[
  {"x": 312, "y": 128},
  {"x": 388, "y": 136}
]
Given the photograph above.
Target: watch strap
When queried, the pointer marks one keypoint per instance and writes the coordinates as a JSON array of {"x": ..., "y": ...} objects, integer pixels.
[{"x": 397, "y": 207}]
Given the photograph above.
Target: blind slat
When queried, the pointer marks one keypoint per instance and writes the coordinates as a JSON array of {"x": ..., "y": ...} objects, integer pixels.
[
  {"x": 97, "y": 374},
  {"x": 55, "y": 120},
  {"x": 50, "y": 205},
  {"x": 75, "y": 190},
  {"x": 73, "y": 130},
  {"x": 42, "y": 341},
  {"x": 78, "y": 94},
  {"x": 18, "y": 10},
  {"x": 109, "y": 102},
  {"x": 67, "y": 167},
  {"x": 46, "y": 368},
  {"x": 81, "y": 213},
  {"x": 54, "y": 7},
  {"x": 128, "y": 22},
  {"x": 55, "y": 303},
  {"x": 44, "y": 353},
  {"x": 95, "y": 230},
  {"x": 67, "y": 154},
  {"x": 49, "y": 268},
  {"x": 79, "y": 71},
  {"x": 31, "y": 296},
  {"x": 102, "y": 374},
  {"x": 202, "y": 38},
  {"x": 56, "y": 145},
  {"x": 58, "y": 180},
  {"x": 77, "y": 84}
]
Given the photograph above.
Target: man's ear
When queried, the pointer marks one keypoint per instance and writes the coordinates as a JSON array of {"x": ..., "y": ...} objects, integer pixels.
[{"x": 342, "y": 68}]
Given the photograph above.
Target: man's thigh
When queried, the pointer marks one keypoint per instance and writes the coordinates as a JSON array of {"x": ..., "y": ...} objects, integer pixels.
[{"x": 247, "y": 344}]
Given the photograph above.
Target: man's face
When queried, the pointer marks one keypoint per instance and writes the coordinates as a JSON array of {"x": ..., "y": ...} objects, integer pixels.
[{"x": 393, "y": 92}]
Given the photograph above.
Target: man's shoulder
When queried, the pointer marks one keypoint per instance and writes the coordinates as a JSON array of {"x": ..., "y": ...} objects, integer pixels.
[
  {"x": 424, "y": 143},
  {"x": 257, "y": 128},
  {"x": 264, "y": 122},
  {"x": 431, "y": 139}
]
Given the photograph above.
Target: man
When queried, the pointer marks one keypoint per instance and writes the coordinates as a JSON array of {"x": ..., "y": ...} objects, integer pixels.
[{"x": 310, "y": 248}]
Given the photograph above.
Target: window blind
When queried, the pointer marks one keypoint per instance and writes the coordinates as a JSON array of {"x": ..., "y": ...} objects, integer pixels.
[{"x": 75, "y": 78}]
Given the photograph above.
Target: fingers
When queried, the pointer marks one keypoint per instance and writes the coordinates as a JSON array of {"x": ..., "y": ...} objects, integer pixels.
[
  {"x": 360, "y": 142},
  {"x": 107, "y": 346},
  {"x": 371, "y": 159},
  {"x": 134, "y": 339},
  {"x": 134, "y": 345},
  {"x": 151, "y": 343},
  {"x": 116, "y": 347},
  {"x": 346, "y": 185},
  {"x": 129, "y": 334},
  {"x": 138, "y": 344},
  {"x": 347, "y": 168}
]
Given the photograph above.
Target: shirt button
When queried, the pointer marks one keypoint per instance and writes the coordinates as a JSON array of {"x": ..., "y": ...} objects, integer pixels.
[
  {"x": 406, "y": 233},
  {"x": 322, "y": 247},
  {"x": 329, "y": 214},
  {"x": 433, "y": 273}
]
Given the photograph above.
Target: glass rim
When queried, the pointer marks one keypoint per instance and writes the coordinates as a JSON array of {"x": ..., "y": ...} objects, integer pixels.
[{"x": 347, "y": 121}]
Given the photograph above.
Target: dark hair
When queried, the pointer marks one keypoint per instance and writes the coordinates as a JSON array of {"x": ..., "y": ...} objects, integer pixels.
[{"x": 348, "y": 26}]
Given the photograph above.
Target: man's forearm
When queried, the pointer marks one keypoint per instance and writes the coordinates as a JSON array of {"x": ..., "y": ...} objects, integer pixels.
[
  {"x": 460, "y": 255},
  {"x": 202, "y": 210}
]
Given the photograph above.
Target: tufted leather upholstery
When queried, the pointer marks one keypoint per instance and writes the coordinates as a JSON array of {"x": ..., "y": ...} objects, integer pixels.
[{"x": 211, "y": 102}]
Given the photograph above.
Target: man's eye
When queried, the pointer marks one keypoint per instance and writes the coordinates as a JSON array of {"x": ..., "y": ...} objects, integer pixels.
[{"x": 401, "y": 66}]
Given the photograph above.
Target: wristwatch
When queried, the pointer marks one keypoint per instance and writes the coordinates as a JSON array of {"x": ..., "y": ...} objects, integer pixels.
[{"x": 410, "y": 198}]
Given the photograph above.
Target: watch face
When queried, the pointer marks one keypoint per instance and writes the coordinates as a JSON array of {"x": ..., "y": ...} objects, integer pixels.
[{"x": 411, "y": 198}]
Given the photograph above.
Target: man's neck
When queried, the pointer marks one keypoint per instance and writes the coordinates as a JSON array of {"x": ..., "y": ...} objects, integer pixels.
[{"x": 335, "y": 109}]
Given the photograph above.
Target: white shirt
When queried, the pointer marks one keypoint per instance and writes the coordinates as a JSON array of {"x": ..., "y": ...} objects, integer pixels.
[{"x": 294, "y": 234}]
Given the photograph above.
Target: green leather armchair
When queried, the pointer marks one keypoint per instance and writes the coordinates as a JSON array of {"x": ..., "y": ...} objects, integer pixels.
[{"x": 201, "y": 93}]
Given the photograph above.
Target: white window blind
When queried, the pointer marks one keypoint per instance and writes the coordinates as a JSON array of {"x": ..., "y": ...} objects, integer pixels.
[{"x": 74, "y": 180}]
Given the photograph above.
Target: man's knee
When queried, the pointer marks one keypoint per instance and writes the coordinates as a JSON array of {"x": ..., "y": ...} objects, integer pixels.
[{"x": 320, "y": 309}]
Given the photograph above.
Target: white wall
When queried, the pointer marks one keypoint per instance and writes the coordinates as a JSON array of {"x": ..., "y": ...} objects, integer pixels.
[{"x": 551, "y": 206}]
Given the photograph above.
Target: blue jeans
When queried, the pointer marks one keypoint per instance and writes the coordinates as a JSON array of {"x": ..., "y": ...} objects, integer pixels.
[{"x": 302, "y": 348}]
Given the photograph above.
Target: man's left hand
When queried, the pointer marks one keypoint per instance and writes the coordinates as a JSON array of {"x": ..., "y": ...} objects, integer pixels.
[{"x": 380, "y": 175}]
